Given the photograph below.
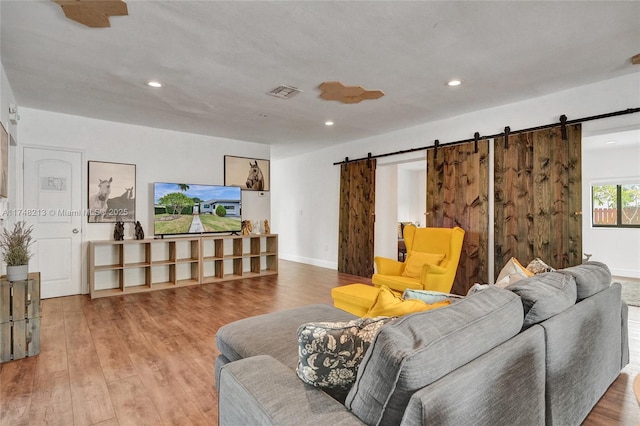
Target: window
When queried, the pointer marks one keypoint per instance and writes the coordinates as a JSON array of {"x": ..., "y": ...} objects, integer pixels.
[{"x": 616, "y": 205}]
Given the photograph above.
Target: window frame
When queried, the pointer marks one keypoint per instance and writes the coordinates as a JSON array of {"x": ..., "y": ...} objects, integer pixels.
[{"x": 618, "y": 207}]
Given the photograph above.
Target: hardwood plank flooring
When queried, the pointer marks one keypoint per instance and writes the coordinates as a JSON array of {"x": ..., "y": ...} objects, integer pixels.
[{"x": 148, "y": 358}]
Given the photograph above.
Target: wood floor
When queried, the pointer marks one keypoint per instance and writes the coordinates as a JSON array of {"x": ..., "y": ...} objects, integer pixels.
[{"x": 148, "y": 358}]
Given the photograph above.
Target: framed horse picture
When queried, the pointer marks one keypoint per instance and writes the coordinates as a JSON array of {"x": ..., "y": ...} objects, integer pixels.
[
  {"x": 251, "y": 174},
  {"x": 112, "y": 192}
]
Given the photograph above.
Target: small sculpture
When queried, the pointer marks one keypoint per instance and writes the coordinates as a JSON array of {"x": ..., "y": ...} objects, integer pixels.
[
  {"x": 267, "y": 228},
  {"x": 118, "y": 231},
  {"x": 246, "y": 227},
  {"x": 139, "y": 232}
]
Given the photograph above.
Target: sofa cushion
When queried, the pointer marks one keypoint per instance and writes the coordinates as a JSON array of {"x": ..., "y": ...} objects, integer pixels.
[
  {"x": 273, "y": 334},
  {"x": 511, "y": 272},
  {"x": 330, "y": 352},
  {"x": 545, "y": 295},
  {"x": 538, "y": 266},
  {"x": 418, "y": 349},
  {"x": 416, "y": 260},
  {"x": 429, "y": 296},
  {"x": 591, "y": 278},
  {"x": 388, "y": 304}
]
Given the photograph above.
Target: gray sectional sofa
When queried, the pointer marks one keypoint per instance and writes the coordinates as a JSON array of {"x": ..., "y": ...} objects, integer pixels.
[{"x": 542, "y": 351}]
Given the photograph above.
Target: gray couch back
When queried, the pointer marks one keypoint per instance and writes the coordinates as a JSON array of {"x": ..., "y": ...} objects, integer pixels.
[{"x": 418, "y": 349}]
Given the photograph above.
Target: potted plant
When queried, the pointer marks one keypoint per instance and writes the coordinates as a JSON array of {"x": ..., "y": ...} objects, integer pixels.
[{"x": 15, "y": 247}]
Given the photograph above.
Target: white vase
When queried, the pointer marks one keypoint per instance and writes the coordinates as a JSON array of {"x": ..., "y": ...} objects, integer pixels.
[{"x": 17, "y": 273}]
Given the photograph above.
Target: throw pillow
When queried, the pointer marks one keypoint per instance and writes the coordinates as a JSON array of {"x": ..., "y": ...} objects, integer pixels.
[
  {"x": 537, "y": 266},
  {"x": 415, "y": 261},
  {"x": 388, "y": 304},
  {"x": 429, "y": 296},
  {"x": 512, "y": 272},
  {"x": 330, "y": 352}
]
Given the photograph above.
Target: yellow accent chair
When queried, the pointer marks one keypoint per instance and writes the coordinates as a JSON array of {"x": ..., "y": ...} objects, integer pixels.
[{"x": 432, "y": 260}]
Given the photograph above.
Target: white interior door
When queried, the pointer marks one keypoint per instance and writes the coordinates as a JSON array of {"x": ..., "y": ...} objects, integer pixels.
[{"x": 52, "y": 204}]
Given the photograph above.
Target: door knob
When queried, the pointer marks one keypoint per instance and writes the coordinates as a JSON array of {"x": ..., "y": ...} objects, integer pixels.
[{"x": 75, "y": 230}]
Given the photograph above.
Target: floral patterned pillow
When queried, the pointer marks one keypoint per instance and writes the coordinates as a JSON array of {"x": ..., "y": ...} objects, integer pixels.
[
  {"x": 537, "y": 266},
  {"x": 330, "y": 352}
]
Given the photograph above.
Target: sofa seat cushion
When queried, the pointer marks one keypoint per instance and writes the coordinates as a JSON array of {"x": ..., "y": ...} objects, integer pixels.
[
  {"x": 591, "y": 278},
  {"x": 545, "y": 295},
  {"x": 414, "y": 351},
  {"x": 273, "y": 334}
]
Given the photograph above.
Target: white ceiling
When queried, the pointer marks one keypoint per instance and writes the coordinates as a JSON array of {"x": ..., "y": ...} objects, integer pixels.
[{"x": 218, "y": 59}]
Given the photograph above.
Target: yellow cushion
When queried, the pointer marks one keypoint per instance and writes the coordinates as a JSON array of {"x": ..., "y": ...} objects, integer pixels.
[
  {"x": 389, "y": 304},
  {"x": 415, "y": 261}
]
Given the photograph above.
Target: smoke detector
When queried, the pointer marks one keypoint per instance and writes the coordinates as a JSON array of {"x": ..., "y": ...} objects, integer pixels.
[{"x": 284, "y": 92}]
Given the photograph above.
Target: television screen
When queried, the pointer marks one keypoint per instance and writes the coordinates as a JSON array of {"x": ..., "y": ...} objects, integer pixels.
[{"x": 181, "y": 208}]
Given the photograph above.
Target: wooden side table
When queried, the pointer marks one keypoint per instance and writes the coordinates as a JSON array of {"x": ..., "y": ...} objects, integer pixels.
[{"x": 19, "y": 317}]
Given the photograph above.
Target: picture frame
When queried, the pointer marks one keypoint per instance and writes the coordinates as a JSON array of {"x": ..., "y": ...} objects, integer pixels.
[
  {"x": 4, "y": 162},
  {"x": 250, "y": 174},
  {"x": 111, "y": 192}
]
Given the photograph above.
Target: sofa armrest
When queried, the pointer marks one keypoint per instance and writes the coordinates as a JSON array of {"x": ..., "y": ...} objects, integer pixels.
[
  {"x": 261, "y": 390},
  {"x": 386, "y": 266}
]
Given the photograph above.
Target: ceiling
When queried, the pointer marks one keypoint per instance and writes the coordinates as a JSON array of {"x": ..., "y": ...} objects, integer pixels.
[{"x": 217, "y": 60}]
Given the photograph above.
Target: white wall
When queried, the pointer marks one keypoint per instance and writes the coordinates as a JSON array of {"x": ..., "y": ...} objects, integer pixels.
[
  {"x": 6, "y": 98},
  {"x": 387, "y": 197},
  {"x": 619, "y": 248},
  {"x": 411, "y": 196},
  {"x": 159, "y": 155},
  {"x": 294, "y": 176}
]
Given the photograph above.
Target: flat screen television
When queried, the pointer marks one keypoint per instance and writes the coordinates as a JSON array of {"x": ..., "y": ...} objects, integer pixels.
[{"x": 181, "y": 208}]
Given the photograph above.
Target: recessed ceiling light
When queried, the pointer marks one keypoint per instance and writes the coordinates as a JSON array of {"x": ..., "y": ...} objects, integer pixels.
[
  {"x": 453, "y": 83},
  {"x": 328, "y": 123},
  {"x": 610, "y": 142},
  {"x": 154, "y": 83}
]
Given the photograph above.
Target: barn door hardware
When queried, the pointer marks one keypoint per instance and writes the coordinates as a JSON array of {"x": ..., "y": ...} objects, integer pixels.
[
  {"x": 563, "y": 126},
  {"x": 507, "y": 130},
  {"x": 436, "y": 144},
  {"x": 476, "y": 136}
]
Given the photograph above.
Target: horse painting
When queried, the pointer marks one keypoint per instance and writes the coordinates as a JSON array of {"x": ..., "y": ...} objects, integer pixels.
[
  {"x": 122, "y": 207},
  {"x": 255, "y": 180},
  {"x": 98, "y": 202}
]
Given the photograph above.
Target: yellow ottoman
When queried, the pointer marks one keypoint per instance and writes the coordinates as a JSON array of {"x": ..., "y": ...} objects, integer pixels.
[{"x": 354, "y": 298}]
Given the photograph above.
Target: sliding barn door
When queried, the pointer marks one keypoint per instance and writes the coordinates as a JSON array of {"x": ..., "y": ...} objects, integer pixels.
[
  {"x": 538, "y": 201},
  {"x": 357, "y": 216},
  {"x": 457, "y": 195}
]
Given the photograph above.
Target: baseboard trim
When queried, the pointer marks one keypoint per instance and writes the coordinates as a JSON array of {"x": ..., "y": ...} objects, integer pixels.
[
  {"x": 625, "y": 273},
  {"x": 310, "y": 261}
]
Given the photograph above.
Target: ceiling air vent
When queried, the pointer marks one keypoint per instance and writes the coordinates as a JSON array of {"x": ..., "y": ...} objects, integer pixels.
[{"x": 284, "y": 92}]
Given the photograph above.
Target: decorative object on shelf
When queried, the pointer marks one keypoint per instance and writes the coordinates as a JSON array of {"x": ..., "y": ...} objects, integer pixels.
[
  {"x": 255, "y": 227},
  {"x": 112, "y": 192},
  {"x": 139, "y": 232},
  {"x": 15, "y": 246},
  {"x": 246, "y": 227},
  {"x": 248, "y": 173},
  {"x": 4, "y": 161},
  {"x": 118, "y": 231},
  {"x": 267, "y": 228}
]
